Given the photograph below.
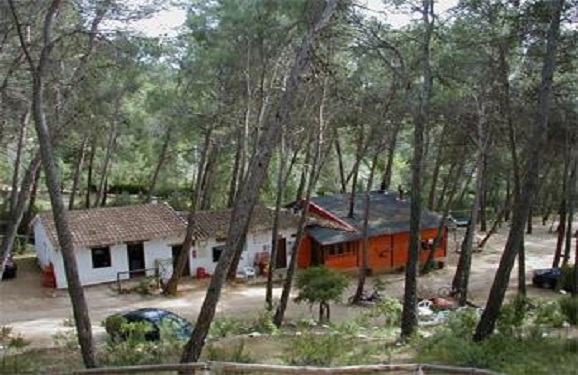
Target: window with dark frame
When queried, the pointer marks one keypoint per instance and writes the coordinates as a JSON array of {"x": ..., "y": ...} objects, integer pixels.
[{"x": 101, "y": 257}]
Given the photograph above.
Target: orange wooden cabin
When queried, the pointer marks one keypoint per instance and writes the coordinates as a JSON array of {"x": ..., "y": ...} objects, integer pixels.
[{"x": 335, "y": 239}]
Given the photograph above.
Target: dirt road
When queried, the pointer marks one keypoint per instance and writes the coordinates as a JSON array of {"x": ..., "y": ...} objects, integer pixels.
[{"x": 38, "y": 312}]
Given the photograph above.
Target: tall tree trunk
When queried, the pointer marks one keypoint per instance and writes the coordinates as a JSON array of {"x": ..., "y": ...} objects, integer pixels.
[
  {"x": 87, "y": 199},
  {"x": 529, "y": 188},
  {"x": 409, "y": 314},
  {"x": 160, "y": 162},
  {"x": 363, "y": 270},
  {"x": 77, "y": 172},
  {"x": 65, "y": 241},
  {"x": 303, "y": 178},
  {"x": 314, "y": 172},
  {"x": 465, "y": 189},
  {"x": 275, "y": 230},
  {"x": 110, "y": 149},
  {"x": 234, "y": 183},
  {"x": 31, "y": 210},
  {"x": 25, "y": 119},
  {"x": 361, "y": 149},
  {"x": 484, "y": 199},
  {"x": 387, "y": 173},
  {"x": 171, "y": 287},
  {"x": 508, "y": 199},
  {"x": 342, "y": 181},
  {"x": 495, "y": 225},
  {"x": 462, "y": 275},
  {"x": 529, "y": 227},
  {"x": 434, "y": 178},
  {"x": 208, "y": 179},
  {"x": 570, "y": 199},
  {"x": 451, "y": 183},
  {"x": 428, "y": 265},
  {"x": 17, "y": 212},
  {"x": 248, "y": 196}
]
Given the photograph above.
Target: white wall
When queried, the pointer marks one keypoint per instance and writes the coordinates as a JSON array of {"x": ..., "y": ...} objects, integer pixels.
[
  {"x": 42, "y": 244},
  {"x": 256, "y": 242},
  {"x": 159, "y": 249}
]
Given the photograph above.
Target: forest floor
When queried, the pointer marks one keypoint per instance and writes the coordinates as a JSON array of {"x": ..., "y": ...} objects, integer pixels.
[{"x": 38, "y": 313}]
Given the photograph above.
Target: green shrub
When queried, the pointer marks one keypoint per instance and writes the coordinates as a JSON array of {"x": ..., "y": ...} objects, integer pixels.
[
  {"x": 338, "y": 347},
  {"x": 513, "y": 315},
  {"x": 265, "y": 323},
  {"x": 134, "y": 349},
  {"x": 223, "y": 327},
  {"x": 13, "y": 359},
  {"x": 113, "y": 325},
  {"x": 569, "y": 307},
  {"x": 232, "y": 352},
  {"x": 390, "y": 309},
  {"x": 549, "y": 314},
  {"x": 532, "y": 353},
  {"x": 320, "y": 285}
]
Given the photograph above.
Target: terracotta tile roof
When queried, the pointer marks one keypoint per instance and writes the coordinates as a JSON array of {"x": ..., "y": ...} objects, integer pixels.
[
  {"x": 210, "y": 224},
  {"x": 112, "y": 225}
]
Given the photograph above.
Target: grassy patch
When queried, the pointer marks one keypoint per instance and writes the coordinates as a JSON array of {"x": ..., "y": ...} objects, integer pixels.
[{"x": 524, "y": 343}]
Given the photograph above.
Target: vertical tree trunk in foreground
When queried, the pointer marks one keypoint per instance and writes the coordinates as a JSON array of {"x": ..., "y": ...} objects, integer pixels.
[
  {"x": 65, "y": 241},
  {"x": 536, "y": 144},
  {"x": 570, "y": 200},
  {"x": 19, "y": 151},
  {"x": 171, "y": 287},
  {"x": 77, "y": 172},
  {"x": 409, "y": 314},
  {"x": 364, "y": 269},
  {"x": 462, "y": 275},
  {"x": 313, "y": 176},
  {"x": 17, "y": 213},
  {"x": 275, "y": 230},
  {"x": 249, "y": 193}
]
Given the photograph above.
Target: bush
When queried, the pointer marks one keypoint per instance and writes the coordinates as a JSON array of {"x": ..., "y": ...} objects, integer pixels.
[
  {"x": 225, "y": 326},
  {"x": 513, "y": 315},
  {"x": 390, "y": 309},
  {"x": 320, "y": 285},
  {"x": 569, "y": 307},
  {"x": 506, "y": 351},
  {"x": 12, "y": 358},
  {"x": 232, "y": 352},
  {"x": 128, "y": 345},
  {"x": 335, "y": 348},
  {"x": 549, "y": 314}
]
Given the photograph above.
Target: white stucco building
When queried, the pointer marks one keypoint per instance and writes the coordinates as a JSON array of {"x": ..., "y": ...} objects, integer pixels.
[{"x": 133, "y": 241}]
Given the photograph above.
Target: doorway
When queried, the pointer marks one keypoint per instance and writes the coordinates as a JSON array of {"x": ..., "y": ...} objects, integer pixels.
[
  {"x": 176, "y": 250},
  {"x": 281, "y": 258},
  {"x": 136, "y": 259}
]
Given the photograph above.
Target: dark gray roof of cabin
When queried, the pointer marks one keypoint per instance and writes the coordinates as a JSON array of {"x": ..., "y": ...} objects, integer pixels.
[{"x": 387, "y": 215}]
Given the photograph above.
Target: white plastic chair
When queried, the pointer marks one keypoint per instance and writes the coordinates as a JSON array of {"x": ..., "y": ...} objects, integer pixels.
[{"x": 249, "y": 272}]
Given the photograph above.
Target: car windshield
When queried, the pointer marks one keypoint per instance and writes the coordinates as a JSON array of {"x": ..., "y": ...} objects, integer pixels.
[{"x": 175, "y": 326}]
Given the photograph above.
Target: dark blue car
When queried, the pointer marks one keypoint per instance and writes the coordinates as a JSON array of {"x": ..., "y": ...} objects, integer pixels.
[
  {"x": 546, "y": 278},
  {"x": 159, "y": 321}
]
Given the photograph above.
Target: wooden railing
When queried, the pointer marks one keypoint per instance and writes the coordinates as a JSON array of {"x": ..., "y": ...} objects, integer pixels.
[{"x": 208, "y": 368}]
